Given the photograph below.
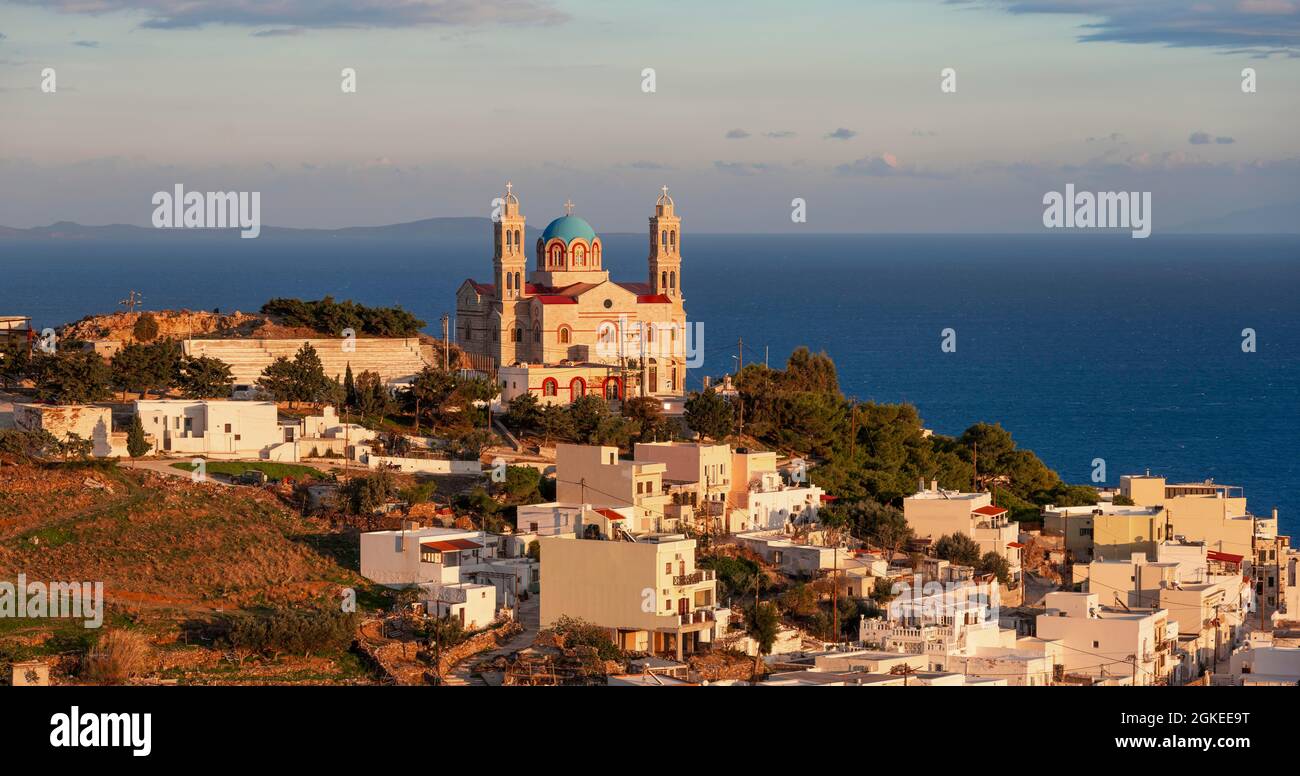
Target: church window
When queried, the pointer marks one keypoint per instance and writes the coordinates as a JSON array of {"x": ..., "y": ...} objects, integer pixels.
[
  {"x": 672, "y": 280},
  {"x": 564, "y": 335},
  {"x": 605, "y": 334},
  {"x": 517, "y": 335},
  {"x": 663, "y": 238},
  {"x": 518, "y": 286},
  {"x": 510, "y": 238},
  {"x": 550, "y": 387},
  {"x": 577, "y": 387},
  {"x": 672, "y": 239},
  {"x": 537, "y": 334},
  {"x": 517, "y": 242},
  {"x": 510, "y": 282},
  {"x": 663, "y": 280}
]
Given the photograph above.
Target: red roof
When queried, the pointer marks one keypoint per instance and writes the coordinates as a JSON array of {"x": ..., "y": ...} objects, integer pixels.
[
  {"x": 827, "y": 497},
  {"x": 990, "y": 511},
  {"x": 611, "y": 514},
  {"x": 653, "y": 299},
  {"x": 1223, "y": 556},
  {"x": 452, "y": 544},
  {"x": 1015, "y": 545},
  {"x": 552, "y": 299}
]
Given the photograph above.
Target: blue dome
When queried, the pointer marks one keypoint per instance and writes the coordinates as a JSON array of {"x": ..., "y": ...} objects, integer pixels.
[{"x": 568, "y": 228}]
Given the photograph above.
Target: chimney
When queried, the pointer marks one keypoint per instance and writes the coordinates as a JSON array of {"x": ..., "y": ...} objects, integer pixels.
[{"x": 934, "y": 486}]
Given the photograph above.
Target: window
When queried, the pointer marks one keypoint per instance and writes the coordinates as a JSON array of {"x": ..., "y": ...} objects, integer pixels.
[
  {"x": 672, "y": 280},
  {"x": 227, "y": 428},
  {"x": 668, "y": 569},
  {"x": 663, "y": 237},
  {"x": 550, "y": 387},
  {"x": 1096, "y": 644},
  {"x": 563, "y": 335},
  {"x": 537, "y": 334}
]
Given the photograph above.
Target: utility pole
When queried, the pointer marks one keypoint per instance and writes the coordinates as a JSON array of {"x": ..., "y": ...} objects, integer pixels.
[
  {"x": 853, "y": 429},
  {"x": 740, "y": 358},
  {"x": 975, "y": 463},
  {"x": 446, "y": 343},
  {"x": 132, "y": 299}
]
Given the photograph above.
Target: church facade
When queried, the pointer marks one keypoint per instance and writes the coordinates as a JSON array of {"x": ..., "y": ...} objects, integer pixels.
[{"x": 562, "y": 329}]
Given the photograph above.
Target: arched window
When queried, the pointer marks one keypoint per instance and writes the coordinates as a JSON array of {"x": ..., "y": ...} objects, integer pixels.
[
  {"x": 537, "y": 334},
  {"x": 663, "y": 280},
  {"x": 672, "y": 239},
  {"x": 510, "y": 282},
  {"x": 564, "y": 335},
  {"x": 672, "y": 280},
  {"x": 579, "y": 255},
  {"x": 606, "y": 333},
  {"x": 550, "y": 387},
  {"x": 556, "y": 256},
  {"x": 510, "y": 238},
  {"x": 517, "y": 335},
  {"x": 577, "y": 387},
  {"x": 517, "y": 236},
  {"x": 595, "y": 254},
  {"x": 613, "y": 389},
  {"x": 663, "y": 237},
  {"x": 518, "y": 286}
]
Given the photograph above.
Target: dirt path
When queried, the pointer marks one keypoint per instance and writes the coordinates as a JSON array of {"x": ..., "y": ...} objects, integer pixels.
[{"x": 530, "y": 617}]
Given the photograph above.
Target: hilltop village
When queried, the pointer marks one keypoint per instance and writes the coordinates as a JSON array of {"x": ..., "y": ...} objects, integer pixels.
[{"x": 320, "y": 492}]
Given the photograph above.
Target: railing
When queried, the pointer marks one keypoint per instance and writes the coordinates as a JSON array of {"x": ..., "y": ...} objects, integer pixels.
[
  {"x": 694, "y": 578},
  {"x": 696, "y": 617}
]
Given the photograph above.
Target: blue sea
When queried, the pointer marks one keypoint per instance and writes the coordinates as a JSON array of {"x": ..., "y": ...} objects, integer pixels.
[{"x": 1082, "y": 346}]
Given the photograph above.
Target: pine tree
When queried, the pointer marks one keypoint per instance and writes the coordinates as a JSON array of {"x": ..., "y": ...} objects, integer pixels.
[{"x": 136, "y": 444}]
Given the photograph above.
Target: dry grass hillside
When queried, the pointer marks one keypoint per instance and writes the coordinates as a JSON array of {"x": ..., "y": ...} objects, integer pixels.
[{"x": 173, "y": 555}]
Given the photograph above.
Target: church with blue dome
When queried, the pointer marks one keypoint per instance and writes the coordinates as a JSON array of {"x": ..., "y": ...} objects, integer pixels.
[{"x": 561, "y": 328}]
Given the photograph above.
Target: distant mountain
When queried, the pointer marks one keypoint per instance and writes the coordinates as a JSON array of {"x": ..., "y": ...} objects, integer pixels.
[
  {"x": 466, "y": 227},
  {"x": 1273, "y": 219}
]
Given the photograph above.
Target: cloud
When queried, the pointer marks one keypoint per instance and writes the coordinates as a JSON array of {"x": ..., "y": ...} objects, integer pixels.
[
  {"x": 841, "y": 134},
  {"x": 313, "y": 14},
  {"x": 780, "y": 134},
  {"x": 86, "y": 43},
  {"x": 279, "y": 32},
  {"x": 736, "y": 134},
  {"x": 1241, "y": 26},
  {"x": 882, "y": 165},
  {"x": 1113, "y": 137},
  {"x": 647, "y": 165},
  {"x": 1205, "y": 138},
  {"x": 741, "y": 168}
]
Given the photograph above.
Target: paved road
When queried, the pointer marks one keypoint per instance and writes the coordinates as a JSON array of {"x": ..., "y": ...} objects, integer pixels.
[{"x": 530, "y": 618}]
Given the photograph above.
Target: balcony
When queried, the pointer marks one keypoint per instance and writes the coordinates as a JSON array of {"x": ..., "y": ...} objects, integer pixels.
[
  {"x": 696, "y": 617},
  {"x": 694, "y": 578}
]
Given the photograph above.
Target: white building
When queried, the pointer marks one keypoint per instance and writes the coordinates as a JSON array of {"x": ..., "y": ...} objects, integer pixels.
[
  {"x": 216, "y": 428},
  {"x": 1100, "y": 641},
  {"x": 474, "y": 605},
  {"x": 446, "y": 557}
]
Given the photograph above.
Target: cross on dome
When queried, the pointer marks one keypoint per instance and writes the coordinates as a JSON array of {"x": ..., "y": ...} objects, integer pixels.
[{"x": 568, "y": 207}]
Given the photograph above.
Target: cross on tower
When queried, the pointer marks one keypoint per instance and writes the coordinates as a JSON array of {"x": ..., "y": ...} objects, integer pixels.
[
  {"x": 568, "y": 207},
  {"x": 664, "y": 189},
  {"x": 508, "y": 187}
]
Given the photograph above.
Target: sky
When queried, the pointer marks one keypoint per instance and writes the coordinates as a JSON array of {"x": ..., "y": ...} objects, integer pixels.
[{"x": 756, "y": 103}]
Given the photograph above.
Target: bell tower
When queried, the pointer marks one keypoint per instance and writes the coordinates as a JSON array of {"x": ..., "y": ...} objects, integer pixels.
[
  {"x": 665, "y": 248},
  {"x": 509, "y": 257}
]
